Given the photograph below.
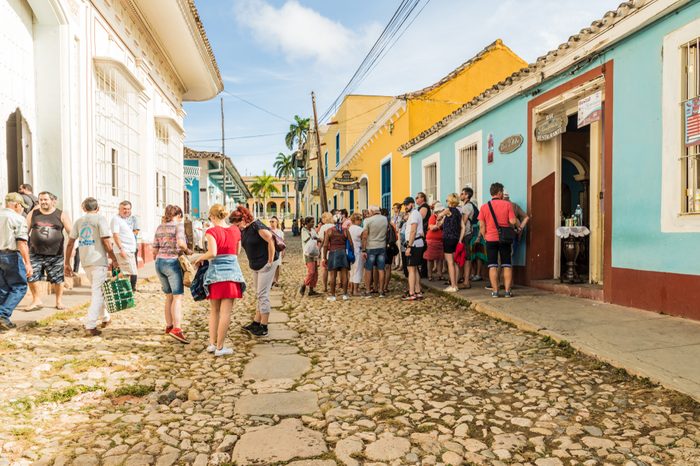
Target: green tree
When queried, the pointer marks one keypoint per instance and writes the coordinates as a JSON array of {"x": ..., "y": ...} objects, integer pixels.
[
  {"x": 264, "y": 185},
  {"x": 284, "y": 168},
  {"x": 297, "y": 136}
]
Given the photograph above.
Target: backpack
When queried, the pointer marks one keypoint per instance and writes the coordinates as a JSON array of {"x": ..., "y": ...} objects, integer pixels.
[
  {"x": 349, "y": 251},
  {"x": 474, "y": 220},
  {"x": 391, "y": 246}
]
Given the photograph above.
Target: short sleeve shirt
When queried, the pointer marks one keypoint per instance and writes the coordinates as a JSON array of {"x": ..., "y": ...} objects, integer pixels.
[
  {"x": 89, "y": 231},
  {"x": 166, "y": 239},
  {"x": 226, "y": 239},
  {"x": 415, "y": 218},
  {"x": 375, "y": 226},
  {"x": 121, "y": 227},
  {"x": 468, "y": 210},
  {"x": 504, "y": 213},
  {"x": 13, "y": 227}
]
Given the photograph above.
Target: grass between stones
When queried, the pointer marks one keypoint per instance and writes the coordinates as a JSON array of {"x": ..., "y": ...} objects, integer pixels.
[
  {"x": 79, "y": 365},
  {"x": 136, "y": 390},
  {"x": 27, "y": 403},
  {"x": 7, "y": 346},
  {"x": 62, "y": 316}
]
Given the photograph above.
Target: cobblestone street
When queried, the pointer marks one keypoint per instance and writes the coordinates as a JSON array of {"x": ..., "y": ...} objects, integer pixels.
[{"x": 348, "y": 383}]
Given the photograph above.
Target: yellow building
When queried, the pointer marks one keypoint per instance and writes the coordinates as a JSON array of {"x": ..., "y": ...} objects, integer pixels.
[
  {"x": 355, "y": 114},
  {"x": 280, "y": 204},
  {"x": 370, "y": 152}
]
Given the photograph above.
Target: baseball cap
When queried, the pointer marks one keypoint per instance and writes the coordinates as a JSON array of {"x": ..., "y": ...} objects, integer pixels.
[
  {"x": 16, "y": 197},
  {"x": 505, "y": 194},
  {"x": 409, "y": 200}
]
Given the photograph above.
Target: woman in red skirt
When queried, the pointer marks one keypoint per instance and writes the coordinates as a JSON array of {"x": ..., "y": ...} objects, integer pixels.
[{"x": 224, "y": 280}]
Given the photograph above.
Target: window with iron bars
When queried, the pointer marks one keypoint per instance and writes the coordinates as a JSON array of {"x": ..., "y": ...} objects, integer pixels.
[
  {"x": 117, "y": 140},
  {"x": 690, "y": 155},
  {"x": 430, "y": 188},
  {"x": 467, "y": 167},
  {"x": 169, "y": 180}
]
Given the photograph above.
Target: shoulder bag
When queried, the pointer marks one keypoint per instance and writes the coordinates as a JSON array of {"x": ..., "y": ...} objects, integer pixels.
[{"x": 506, "y": 235}]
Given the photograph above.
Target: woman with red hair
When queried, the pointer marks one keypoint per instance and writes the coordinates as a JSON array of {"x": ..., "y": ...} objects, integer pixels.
[{"x": 259, "y": 246}]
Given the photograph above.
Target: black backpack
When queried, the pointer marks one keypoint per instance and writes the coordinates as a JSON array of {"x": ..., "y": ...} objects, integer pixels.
[
  {"x": 475, "y": 217},
  {"x": 391, "y": 238}
]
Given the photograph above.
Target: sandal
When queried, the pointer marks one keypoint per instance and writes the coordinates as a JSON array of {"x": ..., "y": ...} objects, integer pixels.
[
  {"x": 60, "y": 307},
  {"x": 410, "y": 297}
]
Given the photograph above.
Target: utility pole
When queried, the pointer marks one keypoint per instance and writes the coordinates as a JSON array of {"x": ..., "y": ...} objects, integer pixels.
[
  {"x": 322, "y": 185},
  {"x": 223, "y": 152}
]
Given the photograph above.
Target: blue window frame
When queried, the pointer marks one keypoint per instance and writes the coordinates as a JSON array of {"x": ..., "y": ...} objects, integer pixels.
[
  {"x": 337, "y": 149},
  {"x": 335, "y": 201},
  {"x": 386, "y": 184},
  {"x": 325, "y": 160},
  {"x": 352, "y": 201}
]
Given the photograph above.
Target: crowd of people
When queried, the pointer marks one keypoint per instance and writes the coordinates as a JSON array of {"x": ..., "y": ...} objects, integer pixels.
[{"x": 433, "y": 241}]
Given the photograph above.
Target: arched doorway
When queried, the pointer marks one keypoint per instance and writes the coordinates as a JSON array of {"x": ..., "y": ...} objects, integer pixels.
[
  {"x": 285, "y": 209},
  {"x": 271, "y": 209},
  {"x": 364, "y": 193}
]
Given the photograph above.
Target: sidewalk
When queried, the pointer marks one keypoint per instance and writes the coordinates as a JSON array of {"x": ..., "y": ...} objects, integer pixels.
[
  {"x": 662, "y": 348},
  {"x": 78, "y": 296}
]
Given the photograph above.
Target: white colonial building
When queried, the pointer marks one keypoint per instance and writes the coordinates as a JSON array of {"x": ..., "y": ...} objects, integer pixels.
[{"x": 91, "y": 96}]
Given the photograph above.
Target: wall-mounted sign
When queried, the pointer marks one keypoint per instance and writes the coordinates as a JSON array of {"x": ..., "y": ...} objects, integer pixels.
[
  {"x": 510, "y": 144},
  {"x": 490, "y": 144},
  {"x": 346, "y": 177},
  {"x": 551, "y": 127},
  {"x": 692, "y": 122},
  {"x": 590, "y": 109},
  {"x": 346, "y": 186}
]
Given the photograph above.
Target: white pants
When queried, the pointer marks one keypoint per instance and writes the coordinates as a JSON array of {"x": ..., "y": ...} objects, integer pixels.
[
  {"x": 97, "y": 312},
  {"x": 262, "y": 282}
]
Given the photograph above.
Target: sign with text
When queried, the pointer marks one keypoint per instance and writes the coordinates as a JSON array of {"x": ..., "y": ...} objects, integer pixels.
[
  {"x": 692, "y": 122},
  {"x": 346, "y": 186},
  {"x": 590, "y": 109},
  {"x": 510, "y": 144},
  {"x": 346, "y": 177},
  {"x": 551, "y": 127}
]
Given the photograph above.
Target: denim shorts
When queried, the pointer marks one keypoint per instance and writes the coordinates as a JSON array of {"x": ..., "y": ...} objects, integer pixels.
[
  {"x": 170, "y": 275},
  {"x": 376, "y": 258}
]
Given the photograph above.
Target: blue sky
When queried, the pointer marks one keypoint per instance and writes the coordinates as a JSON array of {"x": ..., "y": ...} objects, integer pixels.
[{"x": 273, "y": 53}]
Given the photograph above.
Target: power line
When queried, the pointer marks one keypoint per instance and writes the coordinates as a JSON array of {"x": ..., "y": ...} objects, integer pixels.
[
  {"x": 257, "y": 106},
  {"x": 250, "y": 136}
]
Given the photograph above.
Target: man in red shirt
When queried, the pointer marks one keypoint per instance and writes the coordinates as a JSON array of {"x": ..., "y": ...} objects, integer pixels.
[{"x": 496, "y": 247}]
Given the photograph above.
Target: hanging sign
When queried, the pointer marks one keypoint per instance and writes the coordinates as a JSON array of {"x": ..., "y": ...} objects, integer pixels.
[
  {"x": 590, "y": 109},
  {"x": 346, "y": 186},
  {"x": 346, "y": 177},
  {"x": 510, "y": 144},
  {"x": 692, "y": 122},
  {"x": 551, "y": 127},
  {"x": 489, "y": 144}
]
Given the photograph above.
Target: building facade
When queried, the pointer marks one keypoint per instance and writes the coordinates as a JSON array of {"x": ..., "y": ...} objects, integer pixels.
[
  {"x": 91, "y": 97},
  {"x": 280, "y": 204},
  {"x": 205, "y": 184},
  {"x": 383, "y": 173},
  {"x": 608, "y": 122}
]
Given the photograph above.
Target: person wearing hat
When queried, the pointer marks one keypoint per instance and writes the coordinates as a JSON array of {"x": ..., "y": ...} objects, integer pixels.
[
  {"x": 415, "y": 245},
  {"x": 15, "y": 266},
  {"x": 434, "y": 253}
]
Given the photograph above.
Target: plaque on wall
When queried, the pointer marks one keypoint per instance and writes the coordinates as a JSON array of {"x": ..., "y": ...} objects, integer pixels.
[
  {"x": 510, "y": 144},
  {"x": 551, "y": 127}
]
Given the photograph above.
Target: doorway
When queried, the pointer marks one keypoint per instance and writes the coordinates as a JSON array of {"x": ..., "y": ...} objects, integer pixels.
[{"x": 19, "y": 151}]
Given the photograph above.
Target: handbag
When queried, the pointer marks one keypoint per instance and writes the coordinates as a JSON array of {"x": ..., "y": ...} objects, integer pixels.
[
  {"x": 349, "y": 251},
  {"x": 197, "y": 286},
  {"x": 117, "y": 292},
  {"x": 187, "y": 270},
  {"x": 279, "y": 242},
  {"x": 506, "y": 235}
]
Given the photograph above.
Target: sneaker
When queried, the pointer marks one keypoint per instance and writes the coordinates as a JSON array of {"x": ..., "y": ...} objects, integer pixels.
[
  {"x": 450, "y": 289},
  {"x": 366, "y": 295},
  {"x": 331, "y": 298},
  {"x": 223, "y": 351},
  {"x": 508, "y": 294},
  {"x": 93, "y": 332},
  {"x": 477, "y": 278},
  {"x": 5, "y": 324},
  {"x": 177, "y": 334},
  {"x": 381, "y": 294},
  {"x": 302, "y": 290},
  {"x": 410, "y": 297},
  {"x": 211, "y": 348},
  {"x": 168, "y": 329},
  {"x": 251, "y": 326},
  {"x": 494, "y": 294},
  {"x": 106, "y": 323},
  {"x": 345, "y": 297},
  {"x": 313, "y": 293},
  {"x": 260, "y": 331}
]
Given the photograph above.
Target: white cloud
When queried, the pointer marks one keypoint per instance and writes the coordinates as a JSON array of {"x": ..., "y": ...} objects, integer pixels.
[{"x": 302, "y": 33}]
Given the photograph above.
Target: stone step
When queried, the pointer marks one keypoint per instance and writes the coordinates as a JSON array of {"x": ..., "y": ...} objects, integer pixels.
[
  {"x": 274, "y": 348},
  {"x": 281, "y": 443},
  {"x": 282, "y": 404},
  {"x": 276, "y": 366},
  {"x": 279, "y": 332},
  {"x": 278, "y": 317}
]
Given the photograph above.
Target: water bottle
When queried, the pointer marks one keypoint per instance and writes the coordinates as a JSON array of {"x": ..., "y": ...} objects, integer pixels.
[{"x": 578, "y": 213}]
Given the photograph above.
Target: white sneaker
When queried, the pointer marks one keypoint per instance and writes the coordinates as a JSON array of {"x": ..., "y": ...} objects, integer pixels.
[
  {"x": 211, "y": 348},
  {"x": 330, "y": 298},
  {"x": 450, "y": 289},
  {"x": 345, "y": 297},
  {"x": 223, "y": 351}
]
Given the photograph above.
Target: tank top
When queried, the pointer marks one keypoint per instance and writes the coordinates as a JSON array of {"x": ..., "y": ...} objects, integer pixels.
[
  {"x": 336, "y": 241},
  {"x": 47, "y": 233}
]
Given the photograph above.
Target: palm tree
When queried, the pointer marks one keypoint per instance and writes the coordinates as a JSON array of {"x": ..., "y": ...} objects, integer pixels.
[
  {"x": 284, "y": 168},
  {"x": 297, "y": 135},
  {"x": 255, "y": 191},
  {"x": 264, "y": 185}
]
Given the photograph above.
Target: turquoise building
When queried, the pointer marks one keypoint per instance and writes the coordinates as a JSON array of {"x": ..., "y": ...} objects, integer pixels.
[{"x": 610, "y": 121}]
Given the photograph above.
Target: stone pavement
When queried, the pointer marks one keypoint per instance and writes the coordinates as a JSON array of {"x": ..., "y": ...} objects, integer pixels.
[
  {"x": 368, "y": 381},
  {"x": 662, "y": 348}
]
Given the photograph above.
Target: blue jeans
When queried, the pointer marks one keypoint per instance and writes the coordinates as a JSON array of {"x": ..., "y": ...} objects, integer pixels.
[
  {"x": 376, "y": 258},
  {"x": 170, "y": 275},
  {"x": 13, "y": 282}
]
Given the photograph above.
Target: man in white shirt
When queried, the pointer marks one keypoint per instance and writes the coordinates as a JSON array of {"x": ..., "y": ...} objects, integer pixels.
[
  {"x": 125, "y": 242},
  {"x": 415, "y": 246},
  {"x": 15, "y": 266}
]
